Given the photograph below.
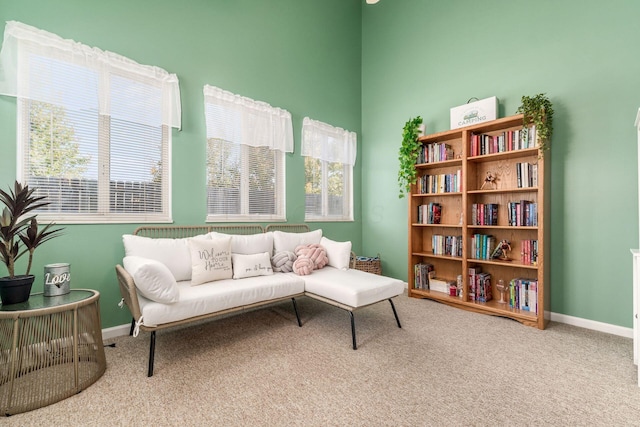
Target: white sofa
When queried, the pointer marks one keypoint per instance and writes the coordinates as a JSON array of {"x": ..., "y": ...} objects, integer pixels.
[{"x": 162, "y": 284}]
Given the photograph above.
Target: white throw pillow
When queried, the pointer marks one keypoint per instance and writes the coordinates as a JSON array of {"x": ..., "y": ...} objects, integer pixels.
[
  {"x": 251, "y": 265},
  {"x": 284, "y": 241},
  {"x": 249, "y": 243},
  {"x": 339, "y": 253},
  {"x": 210, "y": 260},
  {"x": 173, "y": 253},
  {"x": 153, "y": 279}
]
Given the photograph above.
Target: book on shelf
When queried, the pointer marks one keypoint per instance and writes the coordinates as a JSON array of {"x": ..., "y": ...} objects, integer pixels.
[
  {"x": 446, "y": 245},
  {"x": 484, "y": 214},
  {"x": 523, "y": 213},
  {"x": 422, "y": 273},
  {"x": 526, "y": 174},
  {"x": 482, "y": 246},
  {"x": 435, "y": 152},
  {"x": 430, "y": 213},
  {"x": 523, "y": 294},
  {"x": 529, "y": 252},
  {"x": 519, "y": 139},
  {"x": 441, "y": 183}
]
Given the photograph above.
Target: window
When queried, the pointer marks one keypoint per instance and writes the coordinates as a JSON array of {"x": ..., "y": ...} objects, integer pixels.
[
  {"x": 246, "y": 145},
  {"x": 329, "y": 156},
  {"x": 94, "y": 128}
]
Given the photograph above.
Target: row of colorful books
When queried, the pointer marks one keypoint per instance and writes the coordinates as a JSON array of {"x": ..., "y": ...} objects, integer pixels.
[
  {"x": 484, "y": 214},
  {"x": 442, "y": 183},
  {"x": 523, "y": 213},
  {"x": 429, "y": 214},
  {"x": 435, "y": 152},
  {"x": 523, "y": 294},
  {"x": 529, "y": 252},
  {"x": 526, "y": 174},
  {"x": 479, "y": 285},
  {"x": 447, "y": 245},
  {"x": 482, "y": 246},
  {"x": 481, "y": 144}
]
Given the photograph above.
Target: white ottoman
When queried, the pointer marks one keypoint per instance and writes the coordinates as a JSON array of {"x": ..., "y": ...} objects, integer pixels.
[{"x": 352, "y": 289}]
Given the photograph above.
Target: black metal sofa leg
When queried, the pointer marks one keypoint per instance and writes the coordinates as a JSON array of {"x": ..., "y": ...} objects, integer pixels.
[
  {"x": 133, "y": 325},
  {"x": 393, "y": 307},
  {"x": 295, "y": 308},
  {"x": 152, "y": 351},
  {"x": 353, "y": 330}
]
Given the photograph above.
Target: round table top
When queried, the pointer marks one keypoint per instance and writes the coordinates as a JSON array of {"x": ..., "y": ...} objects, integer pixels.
[{"x": 39, "y": 301}]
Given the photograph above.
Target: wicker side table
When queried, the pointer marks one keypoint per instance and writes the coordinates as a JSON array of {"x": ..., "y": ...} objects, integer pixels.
[{"x": 50, "y": 348}]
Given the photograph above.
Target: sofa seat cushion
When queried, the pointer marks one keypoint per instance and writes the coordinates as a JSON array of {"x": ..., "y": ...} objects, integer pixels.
[
  {"x": 353, "y": 288},
  {"x": 220, "y": 295}
]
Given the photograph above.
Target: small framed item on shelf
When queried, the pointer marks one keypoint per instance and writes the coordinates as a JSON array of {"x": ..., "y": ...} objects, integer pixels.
[{"x": 471, "y": 113}]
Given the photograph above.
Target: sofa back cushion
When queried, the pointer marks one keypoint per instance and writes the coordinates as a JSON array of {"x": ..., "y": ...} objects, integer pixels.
[
  {"x": 339, "y": 253},
  {"x": 248, "y": 244},
  {"x": 173, "y": 253},
  {"x": 284, "y": 241}
]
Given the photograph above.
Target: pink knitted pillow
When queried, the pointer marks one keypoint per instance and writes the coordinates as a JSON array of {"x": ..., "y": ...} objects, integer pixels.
[
  {"x": 315, "y": 252},
  {"x": 303, "y": 266}
]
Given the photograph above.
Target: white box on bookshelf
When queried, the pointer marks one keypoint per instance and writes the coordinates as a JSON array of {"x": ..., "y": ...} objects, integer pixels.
[{"x": 474, "y": 112}]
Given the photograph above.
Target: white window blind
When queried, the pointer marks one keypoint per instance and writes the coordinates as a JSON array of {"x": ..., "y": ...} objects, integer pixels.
[
  {"x": 94, "y": 128},
  {"x": 246, "y": 145},
  {"x": 330, "y": 154}
]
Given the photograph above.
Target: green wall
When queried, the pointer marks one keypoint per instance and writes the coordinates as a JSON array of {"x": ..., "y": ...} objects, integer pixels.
[
  {"x": 303, "y": 56},
  {"x": 368, "y": 69},
  {"x": 423, "y": 57}
]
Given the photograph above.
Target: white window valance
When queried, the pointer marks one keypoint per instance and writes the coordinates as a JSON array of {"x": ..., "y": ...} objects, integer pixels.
[
  {"x": 237, "y": 119},
  {"x": 325, "y": 142},
  {"x": 63, "y": 61}
]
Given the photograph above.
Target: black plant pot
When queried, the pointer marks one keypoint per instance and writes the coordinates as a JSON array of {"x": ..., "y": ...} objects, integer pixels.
[{"x": 14, "y": 290}]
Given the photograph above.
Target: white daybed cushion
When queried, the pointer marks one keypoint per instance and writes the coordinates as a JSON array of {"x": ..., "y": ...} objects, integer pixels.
[
  {"x": 352, "y": 287},
  {"x": 251, "y": 265},
  {"x": 174, "y": 253},
  {"x": 210, "y": 259},
  {"x": 248, "y": 244},
  {"x": 284, "y": 241},
  {"x": 339, "y": 253},
  {"x": 220, "y": 295},
  {"x": 153, "y": 279}
]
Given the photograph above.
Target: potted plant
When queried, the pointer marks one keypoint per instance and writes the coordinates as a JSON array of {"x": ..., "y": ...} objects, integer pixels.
[
  {"x": 538, "y": 110},
  {"x": 20, "y": 234},
  {"x": 408, "y": 155}
]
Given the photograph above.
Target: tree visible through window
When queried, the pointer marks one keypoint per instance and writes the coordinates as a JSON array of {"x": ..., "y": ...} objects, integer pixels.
[
  {"x": 94, "y": 128},
  {"x": 328, "y": 155}
]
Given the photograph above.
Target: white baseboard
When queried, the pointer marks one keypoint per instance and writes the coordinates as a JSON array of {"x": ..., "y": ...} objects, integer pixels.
[
  {"x": 116, "y": 331},
  {"x": 121, "y": 330},
  {"x": 592, "y": 324}
]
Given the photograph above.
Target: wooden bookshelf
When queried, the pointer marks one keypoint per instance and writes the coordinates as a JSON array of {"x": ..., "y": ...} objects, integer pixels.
[{"x": 473, "y": 165}]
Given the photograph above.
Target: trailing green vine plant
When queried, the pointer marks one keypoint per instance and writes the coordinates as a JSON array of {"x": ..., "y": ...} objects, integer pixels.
[
  {"x": 538, "y": 110},
  {"x": 408, "y": 155}
]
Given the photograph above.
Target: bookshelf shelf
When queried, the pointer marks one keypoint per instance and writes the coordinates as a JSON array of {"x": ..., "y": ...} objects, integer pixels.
[{"x": 518, "y": 187}]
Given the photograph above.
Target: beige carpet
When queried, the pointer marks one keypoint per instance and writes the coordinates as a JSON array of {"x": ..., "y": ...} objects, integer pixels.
[{"x": 444, "y": 367}]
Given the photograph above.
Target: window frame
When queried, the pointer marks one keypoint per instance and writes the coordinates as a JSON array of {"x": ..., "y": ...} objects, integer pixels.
[{"x": 347, "y": 175}]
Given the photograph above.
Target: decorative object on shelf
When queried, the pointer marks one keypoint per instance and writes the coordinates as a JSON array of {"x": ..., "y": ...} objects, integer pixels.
[
  {"x": 57, "y": 279},
  {"x": 473, "y": 112},
  {"x": 490, "y": 180},
  {"x": 19, "y": 234},
  {"x": 502, "y": 251},
  {"x": 501, "y": 287},
  {"x": 538, "y": 110},
  {"x": 409, "y": 151}
]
